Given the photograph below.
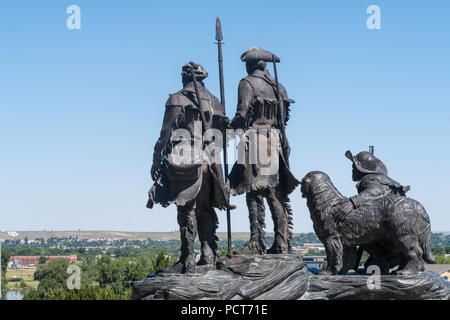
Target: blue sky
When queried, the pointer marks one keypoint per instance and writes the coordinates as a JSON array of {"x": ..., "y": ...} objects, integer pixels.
[{"x": 80, "y": 110}]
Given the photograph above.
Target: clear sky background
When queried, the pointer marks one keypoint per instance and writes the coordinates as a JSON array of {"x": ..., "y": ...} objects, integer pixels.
[{"x": 80, "y": 110}]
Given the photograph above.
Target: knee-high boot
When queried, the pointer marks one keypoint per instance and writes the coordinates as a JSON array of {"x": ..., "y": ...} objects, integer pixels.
[
  {"x": 188, "y": 232},
  {"x": 280, "y": 223},
  {"x": 207, "y": 226},
  {"x": 256, "y": 215}
]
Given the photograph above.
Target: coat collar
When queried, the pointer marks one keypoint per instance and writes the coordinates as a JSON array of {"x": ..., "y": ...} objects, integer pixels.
[{"x": 189, "y": 87}]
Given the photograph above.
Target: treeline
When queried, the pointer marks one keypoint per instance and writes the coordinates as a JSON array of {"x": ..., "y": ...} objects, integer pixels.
[
  {"x": 83, "y": 253},
  {"x": 94, "y": 279},
  {"x": 71, "y": 245},
  {"x": 75, "y": 243},
  {"x": 303, "y": 238},
  {"x": 440, "y": 246}
]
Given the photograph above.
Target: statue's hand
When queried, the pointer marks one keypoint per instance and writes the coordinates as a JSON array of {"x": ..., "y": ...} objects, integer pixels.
[
  {"x": 225, "y": 123},
  {"x": 237, "y": 123},
  {"x": 343, "y": 209}
]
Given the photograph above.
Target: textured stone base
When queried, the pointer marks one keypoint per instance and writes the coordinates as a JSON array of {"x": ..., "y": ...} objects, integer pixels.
[
  {"x": 423, "y": 286},
  {"x": 284, "y": 277}
]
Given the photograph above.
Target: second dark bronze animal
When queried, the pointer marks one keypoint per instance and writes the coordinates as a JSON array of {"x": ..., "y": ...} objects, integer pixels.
[{"x": 393, "y": 229}]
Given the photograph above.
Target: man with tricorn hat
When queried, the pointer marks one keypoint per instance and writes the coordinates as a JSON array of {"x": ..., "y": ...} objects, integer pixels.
[
  {"x": 373, "y": 182},
  {"x": 183, "y": 173},
  {"x": 262, "y": 112}
]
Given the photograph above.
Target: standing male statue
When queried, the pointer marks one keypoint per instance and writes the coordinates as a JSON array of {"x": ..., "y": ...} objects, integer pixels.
[
  {"x": 261, "y": 113},
  {"x": 195, "y": 183}
]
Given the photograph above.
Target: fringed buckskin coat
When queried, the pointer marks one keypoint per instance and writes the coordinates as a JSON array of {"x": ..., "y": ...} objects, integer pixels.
[
  {"x": 258, "y": 114},
  {"x": 180, "y": 184}
]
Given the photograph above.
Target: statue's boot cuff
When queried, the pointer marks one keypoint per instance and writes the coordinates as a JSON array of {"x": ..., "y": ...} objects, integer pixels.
[
  {"x": 206, "y": 261},
  {"x": 186, "y": 266},
  {"x": 277, "y": 249},
  {"x": 251, "y": 247}
]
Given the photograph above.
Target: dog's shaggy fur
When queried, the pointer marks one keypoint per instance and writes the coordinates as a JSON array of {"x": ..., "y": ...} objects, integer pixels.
[{"x": 390, "y": 228}]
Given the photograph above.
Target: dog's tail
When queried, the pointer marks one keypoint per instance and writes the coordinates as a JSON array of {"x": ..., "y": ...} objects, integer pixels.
[
  {"x": 425, "y": 237},
  {"x": 425, "y": 245}
]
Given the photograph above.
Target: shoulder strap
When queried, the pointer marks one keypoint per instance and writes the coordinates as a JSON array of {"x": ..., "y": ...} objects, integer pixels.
[
  {"x": 273, "y": 85},
  {"x": 196, "y": 105},
  {"x": 191, "y": 98}
]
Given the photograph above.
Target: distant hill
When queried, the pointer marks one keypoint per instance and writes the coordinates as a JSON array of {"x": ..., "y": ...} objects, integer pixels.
[
  {"x": 437, "y": 237},
  {"x": 161, "y": 236}
]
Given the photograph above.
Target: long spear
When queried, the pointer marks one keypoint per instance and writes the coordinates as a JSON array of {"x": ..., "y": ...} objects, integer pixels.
[
  {"x": 219, "y": 38},
  {"x": 281, "y": 106}
]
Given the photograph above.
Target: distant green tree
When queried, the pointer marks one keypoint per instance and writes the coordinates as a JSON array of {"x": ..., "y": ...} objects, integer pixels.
[
  {"x": 84, "y": 293},
  {"x": 23, "y": 284},
  {"x": 162, "y": 261},
  {"x": 52, "y": 276},
  {"x": 42, "y": 260},
  {"x": 117, "y": 274},
  {"x": 89, "y": 272},
  {"x": 222, "y": 253},
  {"x": 4, "y": 260},
  {"x": 441, "y": 259},
  {"x": 313, "y": 252},
  {"x": 32, "y": 294}
]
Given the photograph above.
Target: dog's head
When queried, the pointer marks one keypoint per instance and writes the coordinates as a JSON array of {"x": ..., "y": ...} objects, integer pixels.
[{"x": 311, "y": 180}]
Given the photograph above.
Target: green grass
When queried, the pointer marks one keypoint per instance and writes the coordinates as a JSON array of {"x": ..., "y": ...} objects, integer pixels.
[
  {"x": 27, "y": 275},
  {"x": 30, "y": 284}
]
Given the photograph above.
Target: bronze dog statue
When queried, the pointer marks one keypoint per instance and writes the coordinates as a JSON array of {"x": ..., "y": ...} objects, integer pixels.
[{"x": 382, "y": 226}]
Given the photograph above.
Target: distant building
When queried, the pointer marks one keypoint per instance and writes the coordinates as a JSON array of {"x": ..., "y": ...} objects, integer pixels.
[
  {"x": 442, "y": 269},
  {"x": 313, "y": 245},
  {"x": 299, "y": 251},
  {"x": 33, "y": 261}
]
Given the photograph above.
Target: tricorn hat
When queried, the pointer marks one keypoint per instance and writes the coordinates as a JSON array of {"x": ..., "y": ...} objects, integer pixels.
[
  {"x": 256, "y": 54},
  {"x": 198, "y": 69},
  {"x": 366, "y": 162}
]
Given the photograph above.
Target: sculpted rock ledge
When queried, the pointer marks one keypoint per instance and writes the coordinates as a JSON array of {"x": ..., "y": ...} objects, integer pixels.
[{"x": 284, "y": 277}]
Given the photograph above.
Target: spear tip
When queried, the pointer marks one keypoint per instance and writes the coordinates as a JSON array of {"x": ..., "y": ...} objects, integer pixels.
[{"x": 219, "y": 36}]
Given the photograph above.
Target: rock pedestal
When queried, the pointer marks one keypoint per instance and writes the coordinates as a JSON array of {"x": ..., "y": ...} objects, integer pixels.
[
  {"x": 423, "y": 286},
  {"x": 284, "y": 277}
]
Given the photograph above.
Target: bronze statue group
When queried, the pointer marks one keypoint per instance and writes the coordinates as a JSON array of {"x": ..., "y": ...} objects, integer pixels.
[{"x": 380, "y": 219}]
